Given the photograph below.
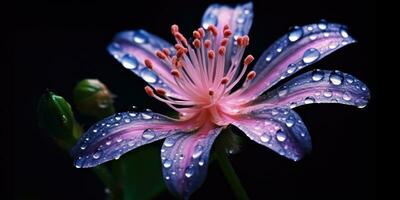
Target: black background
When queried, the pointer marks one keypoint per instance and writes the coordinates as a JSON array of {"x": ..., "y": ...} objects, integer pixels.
[{"x": 54, "y": 45}]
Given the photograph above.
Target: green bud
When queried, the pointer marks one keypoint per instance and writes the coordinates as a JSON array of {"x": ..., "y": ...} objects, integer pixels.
[
  {"x": 55, "y": 115},
  {"x": 92, "y": 98}
]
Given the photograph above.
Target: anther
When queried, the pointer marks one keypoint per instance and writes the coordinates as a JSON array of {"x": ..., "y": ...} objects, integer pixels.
[
  {"x": 251, "y": 75},
  {"x": 161, "y": 92},
  {"x": 196, "y": 43},
  {"x": 221, "y": 50},
  {"x": 227, "y": 33},
  {"x": 174, "y": 29},
  {"x": 213, "y": 30},
  {"x": 226, "y": 27},
  {"x": 211, "y": 54},
  {"x": 246, "y": 40},
  {"x": 148, "y": 63},
  {"x": 240, "y": 41},
  {"x": 207, "y": 44},
  {"x": 224, "y": 80},
  {"x": 149, "y": 91},
  {"x": 211, "y": 92},
  {"x": 224, "y": 42},
  {"x": 166, "y": 51},
  {"x": 201, "y": 31},
  {"x": 196, "y": 34},
  {"x": 175, "y": 73},
  {"x": 248, "y": 59},
  {"x": 161, "y": 55}
]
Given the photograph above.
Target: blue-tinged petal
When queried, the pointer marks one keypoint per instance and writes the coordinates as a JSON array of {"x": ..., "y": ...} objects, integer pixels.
[
  {"x": 120, "y": 133},
  {"x": 185, "y": 160},
  {"x": 319, "y": 86},
  {"x": 294, "y": 51},
  {"x": 131, "y": 48},
  {"x": 279, "y": 129},
  {"x": 239, "y": 19}
]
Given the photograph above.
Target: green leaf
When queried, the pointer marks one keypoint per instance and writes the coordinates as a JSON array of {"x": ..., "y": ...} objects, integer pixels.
[{"x": 142, "y": 173}]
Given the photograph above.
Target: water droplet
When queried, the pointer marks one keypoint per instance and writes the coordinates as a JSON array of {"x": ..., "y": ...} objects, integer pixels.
[
  {"x": 167, "y": 163},
  {"x": 181, "y": 157},
  {"x": 131, "y": 143},
  {"x": 279, "y": 49},
  {"x": 145, "y": 116},
  {"x": 96, "y": 155},
  {"x": 265, "y": 137},
  {"x": 336, "y": 78},
  {"x": 317, "y": 75},
  {"x": 310, "y": 28},
  {"x": 119, "y": 140},
  {"x": 189, "y": 172},
  {"x": 282, "y": 92},
  {"x": 334, "y": 101},
  {"x": 295, "y": 35},
  {"x": 280, "y": 136},
  {"x": 140, "y": 37},
  {"x": 83, "y": 147},
  {"x": 289, "y": 123},
  {"x": 95, "y": 130},
  {"x": 311, "y": 55},
  {"x": 132, "y": 114},
  {"x": 117, "y": 117},
  {"x": 309, "y": 100},
  {"x": 274, "y": 112},
  {"x": 313, "y": 37},
  {"x": 201, "y": 162},
  {"x": 333, "y": 45},
  {"x": 322, "y": 26},
  {"x": 87, "y": 139},
  {"x": 148, "y": 75},
  {"x": 148, "y": 134},
  {"x": 293, "y": 105},
  {"x": 127, "y": 120},
  {"x": 363, "y": 88},
  {"x": 326, "y": 34},
  {"x": 198, "y": 150},
  {"x": 328, "y": 93},
  {"x": 167, "y": 178},
  {"x": 344, "y": 33},
  {"x": 169, "y": 142},
  {"x": 268, "y": 58},
  {"x": 350, "y": 80},
  {"x": 129, "y": 62},
  {"x": 240, "y": 19},
  {"x": 346, "y": 96},
  {"x": 291, "y": 68}
]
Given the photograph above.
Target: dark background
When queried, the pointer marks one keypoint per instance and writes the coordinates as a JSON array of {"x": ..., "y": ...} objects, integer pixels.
[{"x": 55, "y": 45}]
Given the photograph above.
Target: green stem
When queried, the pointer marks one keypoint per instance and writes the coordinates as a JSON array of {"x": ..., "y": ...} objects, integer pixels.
[
  {"x": 230, "y": 174},
  {"x": 104, "y": 175}
]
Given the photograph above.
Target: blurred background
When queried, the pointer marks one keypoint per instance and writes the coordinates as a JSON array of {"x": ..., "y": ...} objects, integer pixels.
[{"x": 55, "y": 45}]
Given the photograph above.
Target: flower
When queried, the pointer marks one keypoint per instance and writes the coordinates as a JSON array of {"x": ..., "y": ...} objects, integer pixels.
[{"x": 199, "y": 78}]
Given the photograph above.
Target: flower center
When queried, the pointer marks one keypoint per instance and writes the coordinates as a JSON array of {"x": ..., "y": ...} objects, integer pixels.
[{"x": 203, "y": 72}]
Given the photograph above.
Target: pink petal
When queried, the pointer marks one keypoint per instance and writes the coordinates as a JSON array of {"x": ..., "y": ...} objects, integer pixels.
[
  {"x": 318, "y": 86},
  {"x": 131, "y": 48},
  {"x": 294, "y": 51},
  {"x": 185, "y": 159},
  {"x": 115, "y": 135},
  {"x": 279, "y": 129}
]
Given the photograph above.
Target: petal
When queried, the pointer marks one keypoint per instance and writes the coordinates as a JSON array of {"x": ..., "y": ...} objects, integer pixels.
[
  {"x": 185, "y": 160},
  {"x": 319, "y": 86},
  {"x": 120, "y": 133},
  {"x": 294, "y": 51},
  {"x": 131, "y": 48},
  {"x": 239, "y": 20},
  {"x": 279, "y": 129}
]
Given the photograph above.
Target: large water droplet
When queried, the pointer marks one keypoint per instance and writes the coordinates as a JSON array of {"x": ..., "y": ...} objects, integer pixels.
[
  {"x": 309, "y": 100},
  {"x": 140, "y": 37},
  {"x": 295, "y": 35},
  {"x": 265, "y": 137},
  {"x": 148, "y": 75},
  {"x": 336, "y": 78},
  {"x": 317, "y": 75},
  {"x": 96, "y": 155},
  {"x": 198, "y": 150},
  {"x": 189, "y": 172},
  {"x": 169, "y": 142},
  {"x": 311, "y": 55},
  {"x": 145, "y": 116},
  {"x": 167, "y": 163},
  {"x": 129, "y": 62},
  {"x": 280, "y": 136},
  {"x": 148, "y": 134}
]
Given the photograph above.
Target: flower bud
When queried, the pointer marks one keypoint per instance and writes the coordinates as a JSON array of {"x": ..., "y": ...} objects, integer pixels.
[{"x": 92, "y": 98}]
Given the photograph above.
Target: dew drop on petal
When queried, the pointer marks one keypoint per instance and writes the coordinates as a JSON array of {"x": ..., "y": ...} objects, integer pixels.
[
  {"x": 295, "y": 35},
  {"x": 327, "y": 93},
  {"x": 344, "y": 33},
  {"x": 265, "y": 137},
  {"x": 145, "y": 116},
  {"x": 167, "y": 163},
  {"x": 169, "y": 142},
  {"x": 140, "y": 37},
  {"x": 268, "y": 58},
  {"x": 311, "y": 55},
  {"x": 333, "y": 45},
  {"x": 336, "y": 78},
  {"x": 322, "y": 26},
  {"x": 289, "y": 123},
  {"x": 148, "y": 134},
  {"x": 189, "y": 172},
  {"x": 148, "y": 75},
  {"x": 201, "y": 162},
  {"x": 291, "y": 68},
  {"x": 129, "y": 62},
  {"x": 309, "y": 100},
  {"x": 280, "y": 136},
  {"x": 198, "y": 150},
  {"x": 346, "y": 96},
  {"x": 96, "y": 155},
  {"x": 317, "y": 75}
]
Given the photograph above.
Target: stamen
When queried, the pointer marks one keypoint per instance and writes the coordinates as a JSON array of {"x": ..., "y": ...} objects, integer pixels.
[
  {"x": 213, "y": 30},
  {"x": 175, "y": 73},
  {"x": 161, "y": 92},
  {"x": 174, "y": 29},
  {"x": 201, "y": 31},
  {"x": 211, "y": 54},
  {"x": 207, "y": 44},
  {"x": 196, "y": 34},
  {"x": 149, "y": 91},
  {"x": 221, "y": 50},
  {"x": 226, "y": 27},
  {"x": 246, "y": 40},
  {"x": 224, "y": 42},
  {"x": 227, "y": 33},
  {"x": 148, "y": 63},
  {"x": 161, "y": 55},
  {"x": 211, "y": 92},
  {"x": 166, "y": 51},
  {"x": 196, "y": 43},
  {"x": 224, "y": 80}
]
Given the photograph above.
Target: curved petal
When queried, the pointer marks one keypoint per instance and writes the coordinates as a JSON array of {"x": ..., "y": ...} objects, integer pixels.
[
  {"x": 120, "y": 133},
  {"x": 279, "y": 129},
  {"x": 294, "y": 51},
  {"x": 319, "y": 86},
  {"x": 239, "y": 19},
  {"x": 185, "y": 160},
  {"x": 131, "y": 48}
]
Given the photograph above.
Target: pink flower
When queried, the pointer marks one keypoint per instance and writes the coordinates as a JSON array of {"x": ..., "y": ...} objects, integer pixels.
[{"x": 203, "y": 79}]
